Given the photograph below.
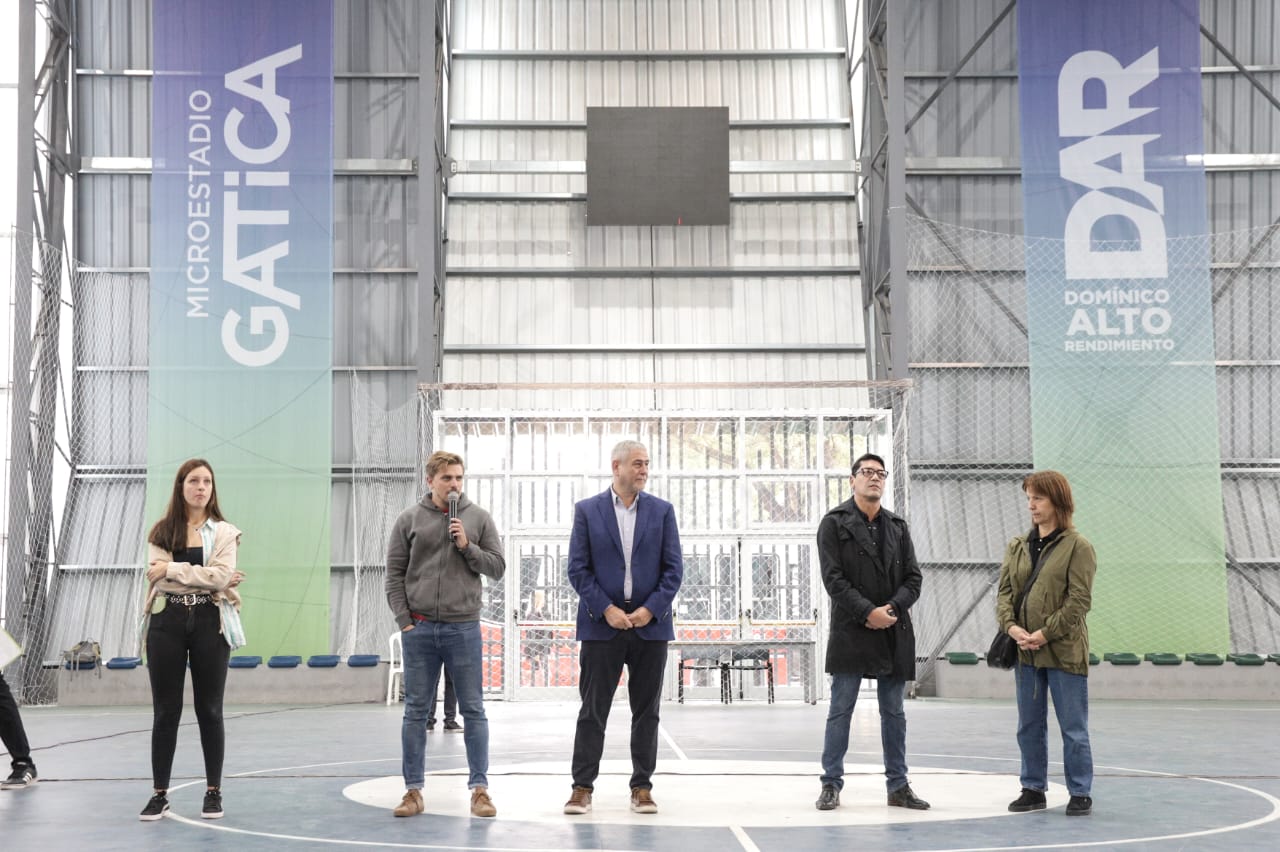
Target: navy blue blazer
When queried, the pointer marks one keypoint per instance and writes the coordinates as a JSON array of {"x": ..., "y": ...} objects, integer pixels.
[{"x": 597, "y": 568}]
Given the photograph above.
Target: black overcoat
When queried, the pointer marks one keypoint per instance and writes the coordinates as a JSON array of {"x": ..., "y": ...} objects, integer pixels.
[{"x": 858, "y": 581}]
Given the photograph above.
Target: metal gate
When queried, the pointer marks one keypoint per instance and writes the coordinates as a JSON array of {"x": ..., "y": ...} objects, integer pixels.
[{"x": 749, "y": 490}]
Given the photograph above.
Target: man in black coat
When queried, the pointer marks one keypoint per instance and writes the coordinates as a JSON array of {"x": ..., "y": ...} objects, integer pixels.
[{"x": 869, "y": 568}]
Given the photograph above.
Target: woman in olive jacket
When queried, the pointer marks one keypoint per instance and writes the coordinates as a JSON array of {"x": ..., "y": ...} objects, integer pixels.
[{"x": 1053, "y": 639}]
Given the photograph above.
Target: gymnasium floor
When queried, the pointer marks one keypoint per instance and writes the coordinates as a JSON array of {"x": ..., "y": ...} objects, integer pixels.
[{"x": 1185, "y": 775}]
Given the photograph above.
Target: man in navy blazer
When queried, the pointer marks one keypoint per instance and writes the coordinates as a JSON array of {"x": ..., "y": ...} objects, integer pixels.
[{"x": 626, "y": 565}]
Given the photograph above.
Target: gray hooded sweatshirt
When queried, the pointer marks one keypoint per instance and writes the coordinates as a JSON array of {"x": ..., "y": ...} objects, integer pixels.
[{"x": 428, "y": 575}]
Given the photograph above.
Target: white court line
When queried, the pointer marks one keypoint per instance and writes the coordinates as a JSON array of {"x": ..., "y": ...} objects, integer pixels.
[
  {"x": 1271, "y": 817},
  {"x": 738, "y": 833},
  {"x": 204, "y": 823},
  {"x": 671, "y": 742},
  {"x": 381, "y": 844},
  {"x": 746, "y": 842},
  {"x": 743, "y": 839}
]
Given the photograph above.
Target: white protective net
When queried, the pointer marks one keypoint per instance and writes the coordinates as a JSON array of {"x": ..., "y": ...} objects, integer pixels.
[
  {"x": 73, "y": 513},
  {"x": 1134, "y": 453}
]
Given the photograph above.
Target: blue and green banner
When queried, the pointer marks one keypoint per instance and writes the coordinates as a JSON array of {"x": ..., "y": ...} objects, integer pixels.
[
  {"x": 1120, "y": 321},
  {"x": 241, "y": 290}
]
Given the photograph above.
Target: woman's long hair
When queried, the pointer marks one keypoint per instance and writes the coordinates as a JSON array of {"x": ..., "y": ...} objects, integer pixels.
[
  {"x": 1053, "y": 485},
  {"x": 170, "y": 532}
]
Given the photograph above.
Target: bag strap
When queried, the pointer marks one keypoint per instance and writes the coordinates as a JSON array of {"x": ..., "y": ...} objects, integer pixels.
[{"x": 1035, "y": 572}]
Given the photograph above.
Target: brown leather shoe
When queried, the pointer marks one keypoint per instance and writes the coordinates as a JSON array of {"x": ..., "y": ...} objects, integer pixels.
[
  {"x": 410, "y": 805},
  {"x": 642, "y": 802},
  {"x": 579, "y": 802},
  {"x": 481, "y": 804}
]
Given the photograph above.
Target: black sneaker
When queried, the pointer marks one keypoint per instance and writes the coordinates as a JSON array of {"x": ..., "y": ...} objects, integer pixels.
[
  {"x": 431, "y": 724},
  {"x": 212, "y": 805},
  {"x": 1079, "y": 806},
  {"x": 452, "y": 726},
  {"x": 1030, "y": 800},
  {"x": 903, "y": 797},
  {"x": 828, "y": 799},
  {"x": 155, "y": 808},
  {"x": 23, "y": 775}
]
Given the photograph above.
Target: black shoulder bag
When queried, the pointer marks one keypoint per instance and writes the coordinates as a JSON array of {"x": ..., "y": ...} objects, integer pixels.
[{"x": 1003, "y": 653}]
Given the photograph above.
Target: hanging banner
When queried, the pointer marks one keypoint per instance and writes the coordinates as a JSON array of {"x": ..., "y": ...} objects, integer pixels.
[
  {"x": 1120, "y": 321},
  {"x": 241, "y": 291}
]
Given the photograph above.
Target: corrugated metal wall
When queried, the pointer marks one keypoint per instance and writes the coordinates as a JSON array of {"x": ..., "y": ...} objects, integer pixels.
[
  {"x": 962, "y": 161},
  {"x": 523, "y": 75},
  {"x": 774, "y": 296},
  {"x": 375, "y": 281}
]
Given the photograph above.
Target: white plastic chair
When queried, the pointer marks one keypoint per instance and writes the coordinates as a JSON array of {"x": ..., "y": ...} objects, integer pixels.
[{"x": 395, "y": 674}]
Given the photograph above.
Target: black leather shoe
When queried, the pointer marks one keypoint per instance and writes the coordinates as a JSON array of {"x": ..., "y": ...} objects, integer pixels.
[
  {"x": 1030, "y": 800},
  {"x": 1079, "y": 806},
  {"x": 904, "y": 798},
  {"x": 828, "y": 799}
]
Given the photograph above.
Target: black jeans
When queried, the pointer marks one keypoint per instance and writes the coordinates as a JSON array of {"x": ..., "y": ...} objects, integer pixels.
[
  {"x": 450, "y": 702},
  {"x": 176, "y": 635},
  {"x": 12, "y": 733},
  {"x": 601, "y": 666}
]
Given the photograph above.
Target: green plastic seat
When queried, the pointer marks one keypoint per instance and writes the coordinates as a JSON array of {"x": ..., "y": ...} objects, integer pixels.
[
  {"x": 1275, "y": 658},
  {"x": 962, "y": 658},
  {"x": 1247, "y": 659},
  {"x": 1122, "y": 658},
  {"x": 1205, "y": 659},
  {"x": 1161, "y": 659},
  {"x": 1094, "y": 659}
]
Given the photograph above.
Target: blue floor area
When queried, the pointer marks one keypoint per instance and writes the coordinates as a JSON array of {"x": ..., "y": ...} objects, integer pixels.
[{"x": 1185, "y": 775}]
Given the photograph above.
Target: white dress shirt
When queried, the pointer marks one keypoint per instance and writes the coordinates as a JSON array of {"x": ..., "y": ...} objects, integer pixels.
[{"x": 626, "y": 516}]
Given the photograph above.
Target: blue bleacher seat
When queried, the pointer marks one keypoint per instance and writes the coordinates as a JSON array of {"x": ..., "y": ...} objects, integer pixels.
[
  {"x": 124, "y": 662},
  {"x": 323, "y": 661},
  {"x": 245, "y": 662},
  {"x": 284, "y": 662},
  {"x": 363, "y": 660}
]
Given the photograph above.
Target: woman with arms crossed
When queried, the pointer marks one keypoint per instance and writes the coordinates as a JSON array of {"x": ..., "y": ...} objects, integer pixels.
[
  {"x": 1053, "y": 639},
  {"x": 191, "y": 569}
]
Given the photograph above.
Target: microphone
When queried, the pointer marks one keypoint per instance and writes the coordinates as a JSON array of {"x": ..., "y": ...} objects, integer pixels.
[{"x": 453, "y": 513}]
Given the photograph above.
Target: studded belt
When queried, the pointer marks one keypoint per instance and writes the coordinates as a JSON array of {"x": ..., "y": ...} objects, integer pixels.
[{"x": 190, "y": 600}]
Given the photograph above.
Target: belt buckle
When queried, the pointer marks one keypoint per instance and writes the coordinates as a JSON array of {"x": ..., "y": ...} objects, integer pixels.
[{"x": 188, "y": 599}]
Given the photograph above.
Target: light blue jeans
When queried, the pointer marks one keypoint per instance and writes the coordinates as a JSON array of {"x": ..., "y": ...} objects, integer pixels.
[
  {"x": 1070, "y": 694},
  {"x": 458, "y": 647},
  {"x": 893, "y": 729}
]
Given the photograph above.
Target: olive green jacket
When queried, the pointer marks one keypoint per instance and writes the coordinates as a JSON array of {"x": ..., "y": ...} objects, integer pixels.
[{"x": 1057, "y": 603}]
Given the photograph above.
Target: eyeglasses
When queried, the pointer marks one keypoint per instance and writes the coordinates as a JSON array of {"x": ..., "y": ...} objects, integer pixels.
[{"x": 873, "y": 473}]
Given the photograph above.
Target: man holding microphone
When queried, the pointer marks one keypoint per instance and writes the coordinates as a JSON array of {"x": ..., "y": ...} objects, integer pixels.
[{"x": 438, "y": 550}]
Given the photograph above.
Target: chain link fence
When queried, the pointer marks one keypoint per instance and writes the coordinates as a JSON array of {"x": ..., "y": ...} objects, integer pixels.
[
  {"x": 972, "y": 425},
  {"x": 749, "y": 486}
]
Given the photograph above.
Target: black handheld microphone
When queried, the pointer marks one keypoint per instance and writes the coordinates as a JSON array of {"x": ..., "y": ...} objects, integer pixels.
[{"x": 453, "y": 513}]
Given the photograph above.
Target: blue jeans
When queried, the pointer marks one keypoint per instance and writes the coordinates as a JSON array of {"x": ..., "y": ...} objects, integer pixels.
[
  {"x": 893, "y": 729},
  {"x": 457, "y": 646},
  {"x": 1071, "y": 704}
]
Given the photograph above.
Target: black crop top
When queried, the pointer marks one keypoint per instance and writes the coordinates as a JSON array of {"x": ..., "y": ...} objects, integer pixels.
[{"x": 190, "y": 555}]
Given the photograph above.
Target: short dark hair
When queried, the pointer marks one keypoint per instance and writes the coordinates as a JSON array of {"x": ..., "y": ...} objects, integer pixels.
[{"x": 857, "y": 463}]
